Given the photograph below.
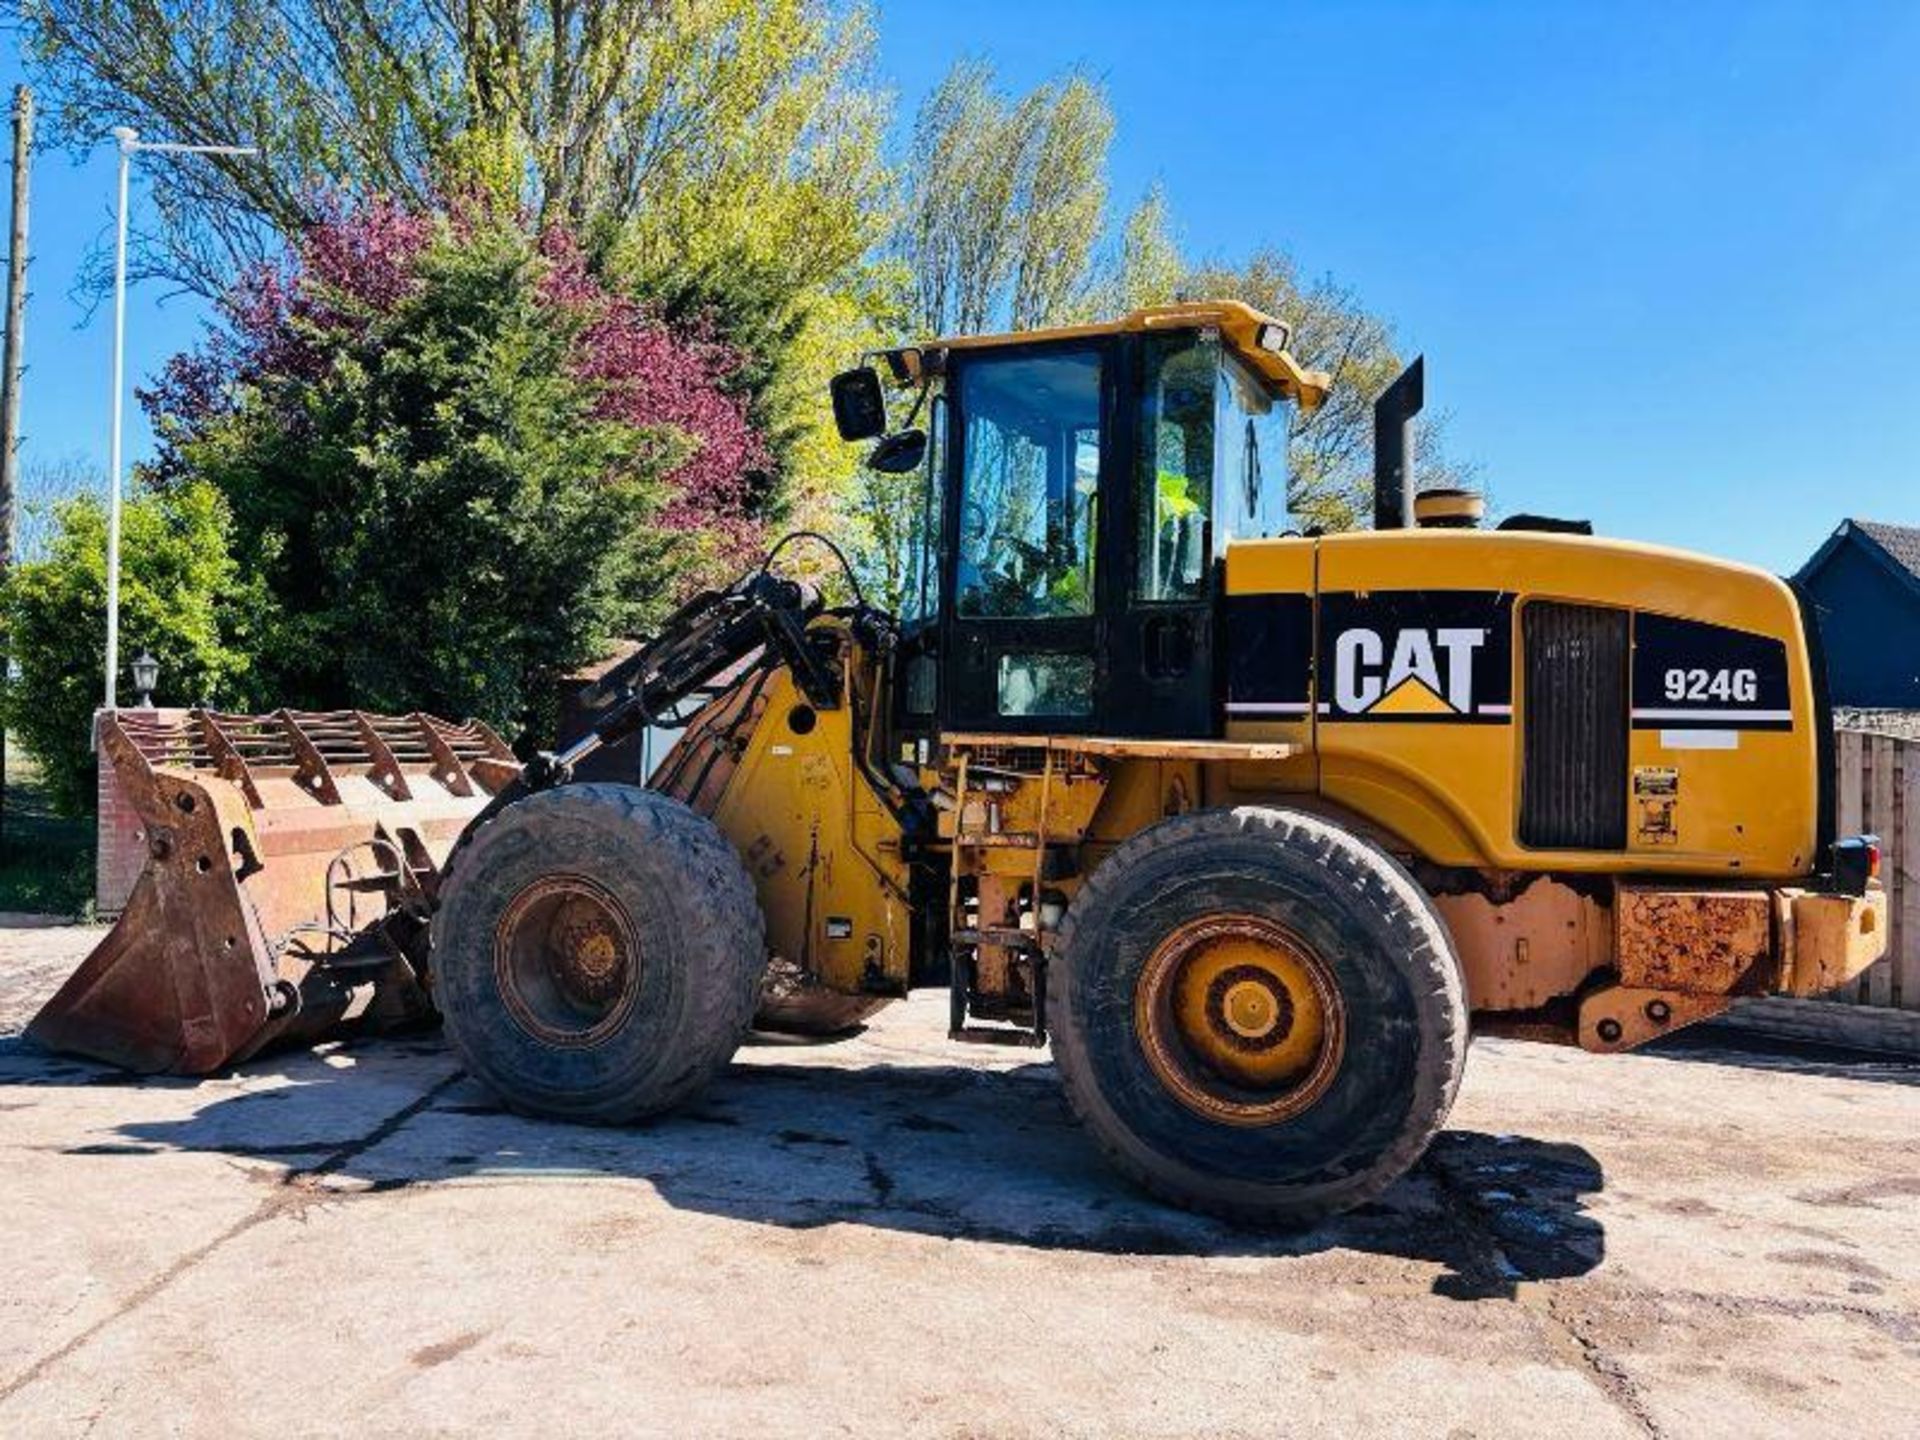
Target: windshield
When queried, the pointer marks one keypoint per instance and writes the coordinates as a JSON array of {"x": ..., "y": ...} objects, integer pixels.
[
  {"x": 1028, "y": 485},
  {"x": 1212, "y": 464}
]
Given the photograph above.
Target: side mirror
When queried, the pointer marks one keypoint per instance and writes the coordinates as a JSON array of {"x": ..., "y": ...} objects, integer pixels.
[
  {"x": 899, "y": 454},
  {"x": 859, "y": 407}
]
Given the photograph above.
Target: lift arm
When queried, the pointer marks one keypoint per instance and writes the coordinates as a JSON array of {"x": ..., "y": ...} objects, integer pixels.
[{"x": 712, "y": 632}]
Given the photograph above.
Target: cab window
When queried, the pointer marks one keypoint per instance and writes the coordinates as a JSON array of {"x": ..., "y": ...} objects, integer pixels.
[
  {"x": 922, "y": 587},
  {"x": 1029, "y": 483},
  {"x": 1250, "y": 455},
  {"x": 1174, "y": 474}
]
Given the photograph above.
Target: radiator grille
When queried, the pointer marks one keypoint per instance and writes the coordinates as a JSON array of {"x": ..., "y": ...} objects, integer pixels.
[{"x": 1573, "y": 782}]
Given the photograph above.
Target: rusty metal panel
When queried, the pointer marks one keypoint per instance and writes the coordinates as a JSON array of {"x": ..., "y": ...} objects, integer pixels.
[
  {"x": 1697, "y": 942},
  {"x": 291, "y": 861},
  {"x": 1520, "y": 951}
]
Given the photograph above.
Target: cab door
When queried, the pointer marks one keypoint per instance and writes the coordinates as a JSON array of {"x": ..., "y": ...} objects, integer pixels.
[
  {"x": 1030, "y": 432},
  {"x": 1160, "y": 638}
]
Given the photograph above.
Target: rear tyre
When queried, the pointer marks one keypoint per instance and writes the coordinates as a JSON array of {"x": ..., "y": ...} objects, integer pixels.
[
  {"x": 1257, "y": 1014},
  {"x": 597, "y": 953}
]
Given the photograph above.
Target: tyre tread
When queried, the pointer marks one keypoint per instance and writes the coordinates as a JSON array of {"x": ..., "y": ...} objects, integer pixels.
[
  {"x": 728, "y": 952},
  {"x": 1429, "y": 959}
]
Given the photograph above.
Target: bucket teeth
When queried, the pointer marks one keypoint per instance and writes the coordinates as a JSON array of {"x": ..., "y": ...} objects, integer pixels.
[{"x": 291, "y": 861}]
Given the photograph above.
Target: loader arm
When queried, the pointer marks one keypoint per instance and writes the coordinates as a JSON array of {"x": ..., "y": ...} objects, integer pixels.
[
  {"x": 295, "y": 859},
  {"x": 699, "y": 642}
]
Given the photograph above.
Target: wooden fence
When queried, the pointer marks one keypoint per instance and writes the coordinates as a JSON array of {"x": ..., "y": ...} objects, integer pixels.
[{"x": 1878, "y": 793}]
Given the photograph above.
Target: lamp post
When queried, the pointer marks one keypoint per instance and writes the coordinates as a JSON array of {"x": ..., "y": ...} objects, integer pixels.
[
  {"x": 130, "y": 143},
  {"x": 146, "y": 677}
]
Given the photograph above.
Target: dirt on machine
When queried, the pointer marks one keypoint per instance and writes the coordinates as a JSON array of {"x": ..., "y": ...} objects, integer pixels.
[{"x": 1253, "y": 825}]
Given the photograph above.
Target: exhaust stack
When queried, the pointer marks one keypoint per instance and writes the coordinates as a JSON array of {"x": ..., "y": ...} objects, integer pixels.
[{"x": 1393, "y": 416}]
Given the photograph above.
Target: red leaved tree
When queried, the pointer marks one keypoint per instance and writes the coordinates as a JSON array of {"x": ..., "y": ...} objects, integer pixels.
[{"x": 463, "y": 461}]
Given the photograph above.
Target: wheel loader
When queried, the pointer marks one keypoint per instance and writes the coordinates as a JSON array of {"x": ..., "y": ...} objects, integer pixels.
[{"x": 1253, "y": 824}]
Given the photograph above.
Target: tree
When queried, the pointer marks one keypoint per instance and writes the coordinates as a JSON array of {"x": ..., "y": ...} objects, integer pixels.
[
  {"x": 720, "y": 160},
  {"x": 1005, "y": 202},
  {"x": 1330, "y": 452},
  {"x": 461, "y": 464},
  {"x": 1002, "y": 226},
  {"x": 577, "y": 111},
  {"x": 1148, "y": 269},
  {"x": 182, "y": 596},
  {"x": 44, "y": 483}
]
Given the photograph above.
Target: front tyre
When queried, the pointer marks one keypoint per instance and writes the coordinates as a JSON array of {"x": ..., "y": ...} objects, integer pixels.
[
  {"x": 1257, "y": 1014},
  {"x": 596, "y": 953}
]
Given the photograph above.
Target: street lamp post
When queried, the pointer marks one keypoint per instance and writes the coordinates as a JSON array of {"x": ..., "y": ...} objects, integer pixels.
[
  {"x": 130, "y": 142},
  {"x": 146, "y": 677}
]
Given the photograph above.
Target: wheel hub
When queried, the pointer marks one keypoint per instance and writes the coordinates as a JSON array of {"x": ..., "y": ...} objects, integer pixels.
[
  {"x": 565, "y": 960},
  {"x": 1248, "y": 1010},
  {"x": 1240, "y": 1020},
  {"x": 589, "y": 957}
]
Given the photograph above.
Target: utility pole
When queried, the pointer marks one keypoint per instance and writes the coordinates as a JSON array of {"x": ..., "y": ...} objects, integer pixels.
[
  {"x": 10, "y": 366},
  {"x": 16, "y": 328}
]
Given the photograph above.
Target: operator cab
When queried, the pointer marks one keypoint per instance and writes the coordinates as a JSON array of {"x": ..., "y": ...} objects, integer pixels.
[{"x": 1076, "y": 491}]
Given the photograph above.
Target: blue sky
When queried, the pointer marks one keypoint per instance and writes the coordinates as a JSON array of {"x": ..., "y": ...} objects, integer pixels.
[{"x": 1663, "y": 260}]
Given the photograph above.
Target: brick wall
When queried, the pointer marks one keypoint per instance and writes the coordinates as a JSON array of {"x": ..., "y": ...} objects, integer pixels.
[{"x": 122, "y": 849}]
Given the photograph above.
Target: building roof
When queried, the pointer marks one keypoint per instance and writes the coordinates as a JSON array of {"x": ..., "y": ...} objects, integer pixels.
[
  {"x": 1897, "y": 547},
  {"x": 1902, "y": 542}
]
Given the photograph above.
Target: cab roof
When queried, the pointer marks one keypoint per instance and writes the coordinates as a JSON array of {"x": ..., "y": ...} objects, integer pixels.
[{"x": 1240, "y": 325}]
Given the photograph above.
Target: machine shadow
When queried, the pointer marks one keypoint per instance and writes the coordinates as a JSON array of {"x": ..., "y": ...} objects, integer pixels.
[
  {"x": 785, "y": 1138},
  {"x": 1708, "y": 1045}
]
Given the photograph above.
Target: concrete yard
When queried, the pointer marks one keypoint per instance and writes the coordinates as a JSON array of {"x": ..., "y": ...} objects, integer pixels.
[{"x": 896, "y": 1236}]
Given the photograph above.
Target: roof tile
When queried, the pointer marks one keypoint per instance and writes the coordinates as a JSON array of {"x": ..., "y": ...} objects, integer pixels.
[{"x": 1902, "y": 542}]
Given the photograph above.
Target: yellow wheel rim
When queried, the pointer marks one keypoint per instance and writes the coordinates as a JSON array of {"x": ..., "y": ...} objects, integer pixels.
[
  {"x": 565, "y": 961},
  {"x": 1240, "y": 1020}
]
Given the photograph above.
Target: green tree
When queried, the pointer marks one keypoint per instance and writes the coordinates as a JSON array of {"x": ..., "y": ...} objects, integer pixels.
[
  {"x": 1148, "y": 269},
  {"x": 721, "y": 158},
  {"x": 182, "y": 596},
  {"x": 576, "y": 110},
  {"x": 449, "y": 508},
  {"x": 886, "y": 514},
  {"x": 1004, "y": 202}
]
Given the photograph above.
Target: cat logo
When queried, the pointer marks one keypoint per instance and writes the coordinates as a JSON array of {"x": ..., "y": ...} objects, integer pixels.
[
  {"x": 1425, "y": 672},
  {"x": 1382, "y": 655},
  {"x": 1417, "y": 656}
]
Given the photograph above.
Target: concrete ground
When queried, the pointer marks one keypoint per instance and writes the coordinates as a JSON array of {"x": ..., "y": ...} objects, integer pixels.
[{"x": 895, "y": 1236}]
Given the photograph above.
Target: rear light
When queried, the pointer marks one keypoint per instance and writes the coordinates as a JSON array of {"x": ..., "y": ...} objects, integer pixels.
[{"x": 1856, "y": 860}]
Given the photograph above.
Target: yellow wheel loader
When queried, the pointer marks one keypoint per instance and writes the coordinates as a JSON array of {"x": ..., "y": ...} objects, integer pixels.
[{"x": 1255, "y": 825}]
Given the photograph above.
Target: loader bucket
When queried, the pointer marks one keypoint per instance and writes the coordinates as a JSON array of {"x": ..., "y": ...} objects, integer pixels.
[{"x": 292, "y": 861}]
